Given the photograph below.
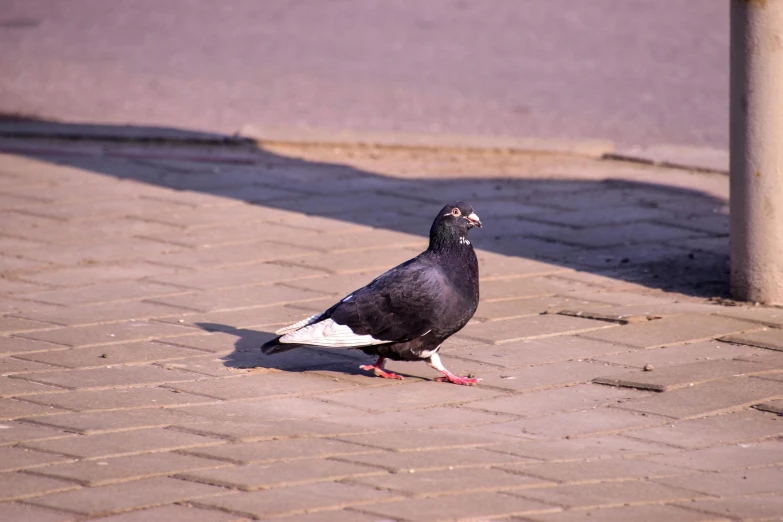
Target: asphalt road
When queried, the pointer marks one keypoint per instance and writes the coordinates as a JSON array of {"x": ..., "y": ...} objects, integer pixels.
[{"x": 636, "y": 71}]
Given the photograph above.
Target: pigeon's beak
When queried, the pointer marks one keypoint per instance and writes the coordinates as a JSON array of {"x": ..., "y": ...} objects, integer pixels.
[{"x": 474, "y": 220}]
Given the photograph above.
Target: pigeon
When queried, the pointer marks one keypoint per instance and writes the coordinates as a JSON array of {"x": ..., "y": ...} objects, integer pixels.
[{"x": 406, "y": 313}]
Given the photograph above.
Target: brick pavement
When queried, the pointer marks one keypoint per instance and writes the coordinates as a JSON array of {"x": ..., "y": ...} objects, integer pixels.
[{"x": 138, "y": 282}]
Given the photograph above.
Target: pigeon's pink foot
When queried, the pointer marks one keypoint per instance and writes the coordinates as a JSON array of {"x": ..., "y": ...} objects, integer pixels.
[
  {"x": 456, "y": 379},
  {"x": 378, "y": 370}
]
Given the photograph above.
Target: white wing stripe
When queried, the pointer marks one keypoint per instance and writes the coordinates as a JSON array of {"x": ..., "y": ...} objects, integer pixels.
[
  {"x": 329, "y": 333},
  {"x": 297, "y": 325}
]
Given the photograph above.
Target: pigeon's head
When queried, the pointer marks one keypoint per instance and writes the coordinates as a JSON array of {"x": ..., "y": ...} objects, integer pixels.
[{"x": 454, "y": 220}]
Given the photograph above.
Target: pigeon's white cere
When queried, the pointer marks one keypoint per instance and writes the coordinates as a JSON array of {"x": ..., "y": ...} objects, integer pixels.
[
  {"x": 298, "y": 325},
  {"x": 329, "y": 333}
]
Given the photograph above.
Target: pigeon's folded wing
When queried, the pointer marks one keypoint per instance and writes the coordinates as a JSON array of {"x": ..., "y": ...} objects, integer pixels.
[{"x": 398, "y": 306}]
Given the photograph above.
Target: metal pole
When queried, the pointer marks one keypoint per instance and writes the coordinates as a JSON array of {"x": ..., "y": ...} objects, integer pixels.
[{"x": 756, "y": 141}]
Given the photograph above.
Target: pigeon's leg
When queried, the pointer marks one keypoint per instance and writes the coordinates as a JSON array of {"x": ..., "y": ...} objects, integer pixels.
[
  {"x": 378, "y": 370},
  {"x": 434, "y": 361}
]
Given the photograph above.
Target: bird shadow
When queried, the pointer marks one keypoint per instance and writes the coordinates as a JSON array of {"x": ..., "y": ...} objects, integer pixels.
[
  {"x": 247, "y": 355},
  {"x": 657, "y": 235}
]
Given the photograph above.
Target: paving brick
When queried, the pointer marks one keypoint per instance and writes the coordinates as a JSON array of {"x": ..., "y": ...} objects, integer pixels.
[
  {"x": 511, "y": 308},
  {"x": 92, "y": 314},
  {"x": 12, "y": 432},
  {"x": 467, "y": 506},
  {"x": 609, "y": 494},
  {"x": 769, "y": 338},
  {"x": 111, "y": 377},
  {"x": 227, "y": 234},
  {"x": 435, "y": 417},
  {"x": 372, "y": 261},
  {"x": 366, "y": 239},
  {"x": 220, "y": 342},
  {"x": 543, "y": 376},
  {"x": 722, "y": 458},
  {"x": 579, "y": 423},
  {"x": 671, "y": 330},
  {"x": 15, "y": 324},
  {"x": 103, "y": 400},
  {"x": 218, "y": 215},
  {"x": 772, "y": 406},
  {"x": 112, "y": 333},
  {"x": 730, "y": 428},
  {"x": 264, "y": 385},
  {"x": 532, "y": 352},
  {"x": 742, "y": 508},
  {"x": 433, "y": 459},
  {"x": 707, "y": 399},
  {"x": 14, "y": 459},
  {"x": 285, "y": 449},
  {"x": 239, "y": 319},
  {"x": 127, "y": 353},
  {"x": 406, "y": 396},
  {"x": 18, "y": 512},
  {"x": 336, "y": 285},
  {"x": 17, "y": 345},
  {"x": 220, "y": 256},
  {"x": 343, "y": 515},
  {"x": 97, "y": 274},
  {"x": 51, "y": 231},
  {"x": 272, "y": 410},
  {"x": 769, "y": 316},
  {"x": 114, "y": 420},
  {"x": 632, "y": 233},
  {"x": 680, "y": 354},
  {"x": 122, "y": 443},
  {"x": 260, "y": 274},
  {"x": 533, "y": 327},
  {"x": 242, "y": 297},
  {"x": 174, "y": 512},
  {"x": 12, "y": 365},
  {"x": 122, "y": 469},
  {"x": 15, "y": 409},
  {"x": 103, "y": 209},
  {"x": 536, "y": 248},
  {"x": 600, "y": 470},
  {"x": 643, "y": 513},
  {"x": 279, "y": 474},
  {"x": 684, "y": 375},
  {"x": 12, "y": 387},
  {"x": 565, "y": 450},
  {"x": 743, "y": 482},
  {"x": 295, "y": 499},
  {"x": 508, "y": 288},
  {"x": 116, "y": 498},
  {"x": 110, "y": 250},
  {"x": 264, "y": 431},
  {"x": 18, "y": 485},
  {"x": 426, "y": 439},
  {"x": 544, "y": 402}
]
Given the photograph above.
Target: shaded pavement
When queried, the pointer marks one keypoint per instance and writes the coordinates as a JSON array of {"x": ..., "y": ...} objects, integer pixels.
[{"x": 140, "y": 279}]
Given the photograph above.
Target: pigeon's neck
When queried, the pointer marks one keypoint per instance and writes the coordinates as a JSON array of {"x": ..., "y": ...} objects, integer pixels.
[{"x": 445, "y": 239}]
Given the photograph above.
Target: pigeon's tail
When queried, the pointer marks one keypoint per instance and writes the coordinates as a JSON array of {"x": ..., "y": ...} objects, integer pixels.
[{"x": 274, "y": 346}]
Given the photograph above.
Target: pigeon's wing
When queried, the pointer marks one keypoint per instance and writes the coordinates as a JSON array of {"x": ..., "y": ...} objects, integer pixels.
[{"x": 398, "y": 306}]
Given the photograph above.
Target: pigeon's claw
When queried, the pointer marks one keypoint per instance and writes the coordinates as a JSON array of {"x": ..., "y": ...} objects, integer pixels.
[
  {"x": 378, "y": 370},
  {"x": 456, "y": 379}
]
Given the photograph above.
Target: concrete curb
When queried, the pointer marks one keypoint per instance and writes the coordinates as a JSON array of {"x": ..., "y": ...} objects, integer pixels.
[
  {"x": 472, "y": 143},
  {"x": 702, "y": 159}
]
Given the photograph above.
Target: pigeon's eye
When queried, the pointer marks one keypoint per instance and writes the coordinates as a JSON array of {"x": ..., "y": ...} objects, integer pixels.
[{"x": 455, "y": 212}]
